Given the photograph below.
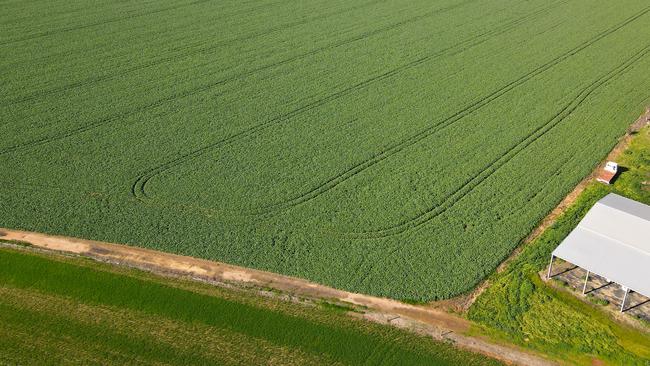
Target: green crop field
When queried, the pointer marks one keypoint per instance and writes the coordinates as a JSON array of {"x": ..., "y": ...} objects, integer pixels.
[{"x": 391, "y": 147}]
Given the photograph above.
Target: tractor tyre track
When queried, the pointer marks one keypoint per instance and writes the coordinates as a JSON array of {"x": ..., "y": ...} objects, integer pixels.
[
  {"x": 200, "y": 89},
  {"x": 138, "y": 188},
  {"x": 88, "y": 81},
  {"x": 364, "y": 269},
  {"x": 120, "y": 73},
  {"x": 494, "y": 166},
  {"x": 96, "y": 24},
  {"x": 413, "y": 139}
]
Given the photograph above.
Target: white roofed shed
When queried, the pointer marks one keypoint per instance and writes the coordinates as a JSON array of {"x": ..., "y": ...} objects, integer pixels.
[{"x": 612, "y": 241}]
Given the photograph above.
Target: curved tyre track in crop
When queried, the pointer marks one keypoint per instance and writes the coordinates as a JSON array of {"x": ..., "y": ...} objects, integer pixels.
[
  {"x": 435, "y": 128},
  {"x": 110, "y": 119},
  {"x": 138, "y": 188},
  {"x": 494, "y": 166}
]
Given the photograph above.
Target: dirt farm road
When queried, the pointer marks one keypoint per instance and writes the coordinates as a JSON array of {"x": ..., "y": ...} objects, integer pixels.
[{"x": 421, "y": 319}]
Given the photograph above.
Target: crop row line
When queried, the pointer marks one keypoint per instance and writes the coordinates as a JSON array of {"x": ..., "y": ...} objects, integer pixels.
[
  {"x": 139, "y": 187},
  {"x": 493, "y": 166},
  {"x": 451, "y": 200},
  {"x": 108, "y": 21},
  {"x": 180, "y": 56},
  {"x": 104, "y": 121},
  {"x": 436, "y": 127}
]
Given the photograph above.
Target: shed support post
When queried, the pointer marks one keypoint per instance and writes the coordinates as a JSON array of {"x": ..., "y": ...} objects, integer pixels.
[
  {"x": 584, "y": 288},
  {"x": 550, "y": 267},
  {"x": 627, "y": 291}
]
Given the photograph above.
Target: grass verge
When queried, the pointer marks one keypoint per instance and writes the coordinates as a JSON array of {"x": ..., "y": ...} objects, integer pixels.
[{"x": 520, "y": 308}]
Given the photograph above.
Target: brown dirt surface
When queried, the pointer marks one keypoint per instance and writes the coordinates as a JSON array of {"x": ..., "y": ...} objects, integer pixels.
[{"x": 421, "y": 319}]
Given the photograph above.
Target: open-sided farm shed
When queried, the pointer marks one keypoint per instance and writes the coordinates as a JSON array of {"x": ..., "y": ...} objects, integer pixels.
[{"x": 612, "y": 241}]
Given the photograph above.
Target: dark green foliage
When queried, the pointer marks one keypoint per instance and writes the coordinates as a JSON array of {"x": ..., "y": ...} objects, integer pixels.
[{"x": 397, "y": 148}]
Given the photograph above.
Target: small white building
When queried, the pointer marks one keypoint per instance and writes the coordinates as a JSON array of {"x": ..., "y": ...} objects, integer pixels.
[
  {"x": 608, "y": 173},
  {"x": 612, "y": 241}
]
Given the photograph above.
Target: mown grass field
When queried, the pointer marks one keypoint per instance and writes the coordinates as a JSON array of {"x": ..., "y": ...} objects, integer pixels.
[
  {"x": 518, "y": 307},
  {"x": 73, "y": 311},
  {"x": 391, "y": 147}
]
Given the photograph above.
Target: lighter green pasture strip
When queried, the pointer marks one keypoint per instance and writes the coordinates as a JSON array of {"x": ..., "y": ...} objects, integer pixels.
[
  {"x": 28, "y": 279},
  {"x": 156, "y": 37}
]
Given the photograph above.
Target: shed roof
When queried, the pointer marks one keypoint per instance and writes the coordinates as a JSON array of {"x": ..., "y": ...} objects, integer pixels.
[{"x": 613, "y": 241}]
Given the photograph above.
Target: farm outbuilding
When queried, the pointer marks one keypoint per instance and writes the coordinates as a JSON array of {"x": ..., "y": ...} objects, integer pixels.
[
  {"x": 608, "y": 173},
  {"x": 612, "y": 241}
]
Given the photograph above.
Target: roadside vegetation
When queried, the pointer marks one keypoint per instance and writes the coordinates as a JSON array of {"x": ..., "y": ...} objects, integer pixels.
[
  {"x": 398, "y": 148},
  {"x": 519, "y": 307},
  {"x": 56, "y": 310}
]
